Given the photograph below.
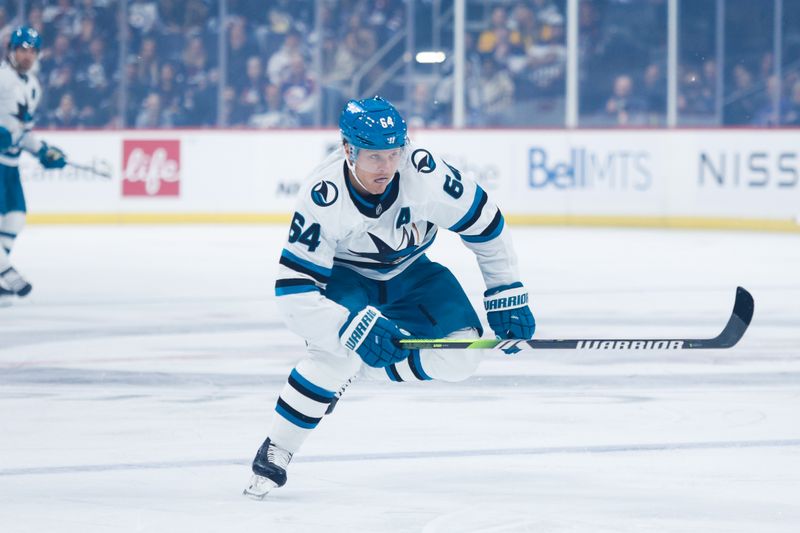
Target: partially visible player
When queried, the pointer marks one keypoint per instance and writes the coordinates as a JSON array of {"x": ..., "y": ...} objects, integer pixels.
[
  {"x": 20, "y": 94},
  {"x": 354, "y": 278}
]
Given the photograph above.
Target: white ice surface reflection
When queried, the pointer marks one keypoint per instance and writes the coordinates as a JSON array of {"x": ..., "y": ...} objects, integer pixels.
[{"x": 138, "y": 379}]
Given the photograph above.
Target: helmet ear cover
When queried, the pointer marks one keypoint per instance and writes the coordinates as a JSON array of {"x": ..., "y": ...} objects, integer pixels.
[{"x": 351, "y": 152}]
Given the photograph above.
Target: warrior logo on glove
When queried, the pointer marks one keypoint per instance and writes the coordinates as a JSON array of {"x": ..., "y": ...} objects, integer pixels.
[{"x": 508, "y": 313}]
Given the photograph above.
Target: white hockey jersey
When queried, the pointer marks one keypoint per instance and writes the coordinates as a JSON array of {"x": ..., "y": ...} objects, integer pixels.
[
  {"x": 379, "y": 237},
  {"x": 19, "y": 97}
]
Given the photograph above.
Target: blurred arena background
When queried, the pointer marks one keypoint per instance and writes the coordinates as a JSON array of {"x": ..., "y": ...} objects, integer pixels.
[
  {"x": 622, "y": 112},
  {"x": 293, "y": 63},
  {"x": 140, "y": 374}
]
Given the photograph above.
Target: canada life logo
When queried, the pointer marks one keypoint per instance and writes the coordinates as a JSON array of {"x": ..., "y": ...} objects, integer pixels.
[{"x": 151, "y": 168}]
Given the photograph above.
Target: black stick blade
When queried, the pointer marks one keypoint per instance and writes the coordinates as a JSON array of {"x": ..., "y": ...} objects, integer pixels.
[{"x": 737, "y": 324}]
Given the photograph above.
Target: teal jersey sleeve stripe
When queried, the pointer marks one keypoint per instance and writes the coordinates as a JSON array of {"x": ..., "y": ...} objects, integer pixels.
[
  {"x": 473, "y": 214},
  {"x": 498, "y": 229},
  {"x": 297, "y": 289},
  {"x": 321, "y": 270}
]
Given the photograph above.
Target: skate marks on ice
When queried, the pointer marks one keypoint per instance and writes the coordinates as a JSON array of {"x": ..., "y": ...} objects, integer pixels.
[
  {"x": 150, "y": 413},
  {"x": 399, "y": 456}
]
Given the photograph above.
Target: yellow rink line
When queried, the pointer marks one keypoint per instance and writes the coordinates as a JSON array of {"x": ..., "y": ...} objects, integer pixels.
[
  {"x": 159, "y": 218},
  {"x": 701, "y": 223}
]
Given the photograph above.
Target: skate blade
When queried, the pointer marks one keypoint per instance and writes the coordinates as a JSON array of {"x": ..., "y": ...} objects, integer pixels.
[{"x": 259, "y": 488}]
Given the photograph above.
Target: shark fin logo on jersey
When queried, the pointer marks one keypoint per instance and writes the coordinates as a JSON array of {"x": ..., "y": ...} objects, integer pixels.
[
  {"x": 423, "y": 161},
  {"x": 23, "y": 115},
  {"x": 387, "y": 255},
  {"x": 324, "y": 193}
]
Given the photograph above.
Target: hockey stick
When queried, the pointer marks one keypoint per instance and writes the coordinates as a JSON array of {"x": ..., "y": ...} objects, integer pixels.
[
  {"x": 90, "y": 168},
  {"x": 730, "y": 335}
]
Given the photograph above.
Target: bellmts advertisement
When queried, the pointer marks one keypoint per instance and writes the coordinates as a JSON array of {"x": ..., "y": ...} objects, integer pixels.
[{"x": 585, "y": 168}]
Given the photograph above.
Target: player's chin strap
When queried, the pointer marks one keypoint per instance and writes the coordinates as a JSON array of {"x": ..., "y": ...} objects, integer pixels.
[
  {"x": 351, "y": 158},
  {"x": 12, "y": 60}
]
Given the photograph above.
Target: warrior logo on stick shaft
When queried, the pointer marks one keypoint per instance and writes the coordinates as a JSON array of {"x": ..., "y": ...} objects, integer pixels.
[{"x": 630, "y": 345}]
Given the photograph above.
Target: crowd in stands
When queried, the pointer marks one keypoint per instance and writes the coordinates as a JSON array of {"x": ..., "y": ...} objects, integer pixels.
[{"x": 286, "y": 68}]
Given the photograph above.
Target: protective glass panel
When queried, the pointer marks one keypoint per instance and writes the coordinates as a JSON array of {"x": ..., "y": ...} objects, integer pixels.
[
  {"x": 270, "y": 75},
  {"x": 622, "y": 62},
  {"x": 78, "y": 66},
  {"x": 171, "y": 64},
  {"x": 749, "y": 62},
  {"x": 790, "y": 65},
  {"x": 699, "y": 103}
]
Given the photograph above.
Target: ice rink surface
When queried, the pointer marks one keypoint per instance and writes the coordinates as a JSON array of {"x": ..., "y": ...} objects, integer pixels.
[{"x": 138, "y": 380}]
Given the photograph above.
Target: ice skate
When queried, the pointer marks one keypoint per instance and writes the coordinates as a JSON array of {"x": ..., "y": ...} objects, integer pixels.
[
  {"x": 10, "y": 280},
  {"x": 269, "y": 470}
]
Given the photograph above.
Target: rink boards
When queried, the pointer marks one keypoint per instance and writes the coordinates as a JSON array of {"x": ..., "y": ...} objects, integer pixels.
[{"x": 738, "y": 179}]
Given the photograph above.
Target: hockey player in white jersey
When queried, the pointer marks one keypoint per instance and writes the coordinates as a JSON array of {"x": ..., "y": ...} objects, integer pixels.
[
  {"x": 354, "y": 278},
  {"x": 20, "y": 94}
]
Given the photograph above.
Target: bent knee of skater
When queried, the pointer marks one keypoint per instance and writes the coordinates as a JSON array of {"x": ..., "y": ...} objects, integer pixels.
[
  {"x": 457, "y": 365},
  {"x": 328, "y": 370},
  {"x": 12, "y": 222}
]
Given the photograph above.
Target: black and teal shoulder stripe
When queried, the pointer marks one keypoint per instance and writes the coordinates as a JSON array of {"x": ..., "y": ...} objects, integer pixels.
[
  {"x": 491, "y": 231},
  {"x": 473, "y": 214}
]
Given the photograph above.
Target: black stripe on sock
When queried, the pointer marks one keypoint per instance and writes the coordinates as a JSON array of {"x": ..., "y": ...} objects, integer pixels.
[
  {"x": 412, "y": 364},
  {"x": 308, "y": 393},
  {"x": 294, "y": 412},
  {"x": 392, "y": 369}
]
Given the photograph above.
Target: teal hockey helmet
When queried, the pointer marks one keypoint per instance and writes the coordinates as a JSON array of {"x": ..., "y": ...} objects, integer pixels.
[
  {"x": 373, "y": 124},
  {"x": 25, "y": 37}
]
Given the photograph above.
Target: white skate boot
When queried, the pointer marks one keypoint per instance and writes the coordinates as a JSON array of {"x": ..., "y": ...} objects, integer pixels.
[
  {"x": 269, "y": 470},
  {"x": 10, "y": 280}
]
